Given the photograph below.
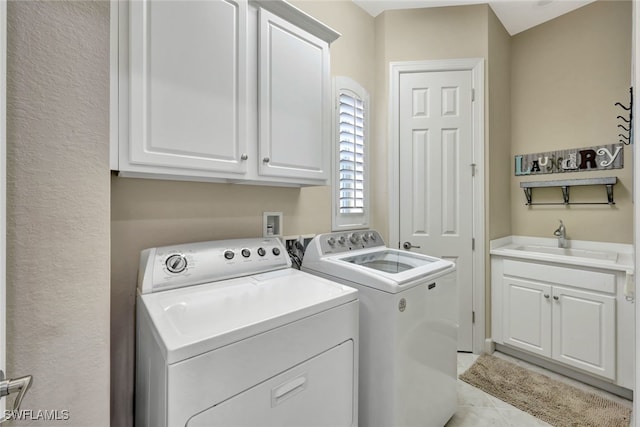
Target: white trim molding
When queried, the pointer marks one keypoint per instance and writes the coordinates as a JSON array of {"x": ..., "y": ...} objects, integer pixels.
[
  {"x": 476, "y": 66},
  {"x": 3, "y": 195}
]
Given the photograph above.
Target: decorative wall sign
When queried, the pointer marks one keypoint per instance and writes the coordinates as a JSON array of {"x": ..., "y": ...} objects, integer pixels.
[{"x": 571, "y": 160}]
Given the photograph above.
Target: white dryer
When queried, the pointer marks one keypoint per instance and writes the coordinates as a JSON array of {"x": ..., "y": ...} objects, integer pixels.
[
  {"x": 229, "y": 335},
  {"x": 408, "y": 327}
]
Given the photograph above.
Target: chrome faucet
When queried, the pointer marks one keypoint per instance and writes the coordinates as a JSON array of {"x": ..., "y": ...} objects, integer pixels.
[{"x": 561, "y": 233}]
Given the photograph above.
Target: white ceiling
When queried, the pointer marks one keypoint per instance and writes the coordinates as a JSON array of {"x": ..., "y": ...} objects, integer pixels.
[{"x": 515, "y": 15}]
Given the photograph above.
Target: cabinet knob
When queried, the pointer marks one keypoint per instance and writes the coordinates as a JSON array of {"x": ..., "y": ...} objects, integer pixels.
[
  {"x": 546, "y": 296},
  {"x": 244, "y": 157},
  {"x": 555, "y": 297},
  {"x": 266, "y": 160}
]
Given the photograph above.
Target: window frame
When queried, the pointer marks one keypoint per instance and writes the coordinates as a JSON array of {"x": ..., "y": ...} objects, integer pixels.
[{"x": 349, "y": 221}]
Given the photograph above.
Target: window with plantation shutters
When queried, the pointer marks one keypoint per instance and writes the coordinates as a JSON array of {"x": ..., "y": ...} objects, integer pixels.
[
  {"x": 351, "y": 140},
  {"x": 350, "y": 173}
]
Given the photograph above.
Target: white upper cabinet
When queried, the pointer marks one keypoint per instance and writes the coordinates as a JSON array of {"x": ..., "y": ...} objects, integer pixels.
[
  {"x": 294, "y": 105},
  {"x": 220, "y": 90},
  {"x": 188, "y": 84}
]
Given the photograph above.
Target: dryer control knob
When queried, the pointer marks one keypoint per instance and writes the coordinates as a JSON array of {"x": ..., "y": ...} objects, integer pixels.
[
  {"x": 176, "y": 263},
  {"x": 261, "y": 252},
  {"x": 276, "y": 251},
  {"x": 229, "y": 254},
  {"x": 246, "y": 253}
]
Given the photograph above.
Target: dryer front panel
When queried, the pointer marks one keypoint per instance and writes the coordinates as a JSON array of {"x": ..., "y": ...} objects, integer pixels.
[{"x": 318, "y": 392}]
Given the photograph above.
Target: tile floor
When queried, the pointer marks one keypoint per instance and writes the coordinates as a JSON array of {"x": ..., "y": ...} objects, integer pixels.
[{"x": 478, "y": 409}]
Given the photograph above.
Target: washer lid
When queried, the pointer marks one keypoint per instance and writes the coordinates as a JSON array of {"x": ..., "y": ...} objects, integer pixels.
[
  {"x": 194, "y": 320},
  {"x": 387, "y": 269}
]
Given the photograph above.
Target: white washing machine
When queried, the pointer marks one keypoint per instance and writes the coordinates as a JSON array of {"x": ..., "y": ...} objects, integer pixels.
[
  {"x": 408, "y": 327},
  {"x": 229, "y": 335}
]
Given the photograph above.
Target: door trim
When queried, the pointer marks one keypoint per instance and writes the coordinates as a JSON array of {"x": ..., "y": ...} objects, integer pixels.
[
  {"x": 476, "y": 66},
  {"x": 3, "y": 193}
]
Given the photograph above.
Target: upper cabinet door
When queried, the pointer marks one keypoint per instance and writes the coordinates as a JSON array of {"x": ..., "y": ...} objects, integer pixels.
[
  {"x": 294, "y": 104},
  {"x": 187, "y": 84}
]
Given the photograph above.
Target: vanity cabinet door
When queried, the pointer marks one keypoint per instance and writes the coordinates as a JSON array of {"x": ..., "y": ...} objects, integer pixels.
[
  {"x": 187, "y": 83},
  {"x": 527, "y": 315},
  {"x": 584, "y": 330},
  {"x": 294, "y": 101}
]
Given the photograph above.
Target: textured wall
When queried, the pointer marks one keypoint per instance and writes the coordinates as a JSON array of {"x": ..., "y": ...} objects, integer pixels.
[
  {"x": 566, "y": 76},
  {"x": 58, "y": 206},
  {"x": 148, "y": 213}
]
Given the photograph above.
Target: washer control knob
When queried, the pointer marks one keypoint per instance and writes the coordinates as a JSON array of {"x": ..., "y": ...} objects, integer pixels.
[
  {"x": 331, "y": 241},
  {"x": 372, "y": 236},
  {"x": 353, "y": 238},
  {"x": 176, "y": 263},
  {"x": 276, "y": 251},
  {"x": 365, "y": 237},
  {"x": 342, "y": 240},
  {"x": 261, "y": 252},
  {"x": 246, "y": 253},
  {"x": 229, "y": 254}
]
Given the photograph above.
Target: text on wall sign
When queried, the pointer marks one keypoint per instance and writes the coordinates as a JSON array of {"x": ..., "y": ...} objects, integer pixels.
[{"x": 602, "y": 157}]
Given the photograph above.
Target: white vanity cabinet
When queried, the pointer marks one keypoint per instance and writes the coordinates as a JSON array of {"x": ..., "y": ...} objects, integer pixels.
[
  {"x": 568, "y": 325},
  {"x": 220, "y": 90},
  {"x": 569, "y": 313}
]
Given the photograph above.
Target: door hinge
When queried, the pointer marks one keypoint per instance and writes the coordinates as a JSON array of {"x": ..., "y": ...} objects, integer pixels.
[
  {"x": 473, "y": 95},
  {"x": 473, "y": 243},
  {"x": 473, "y": 317}
]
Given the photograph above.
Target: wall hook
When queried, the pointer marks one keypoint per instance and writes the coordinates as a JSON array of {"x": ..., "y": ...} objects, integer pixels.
[{"x": 627, "y": 139}]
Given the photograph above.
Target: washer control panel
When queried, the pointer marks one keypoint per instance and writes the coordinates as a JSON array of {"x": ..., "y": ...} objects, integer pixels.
[
  {"x": 334, "y": 243},
  {"x": 190, "y": 264}
]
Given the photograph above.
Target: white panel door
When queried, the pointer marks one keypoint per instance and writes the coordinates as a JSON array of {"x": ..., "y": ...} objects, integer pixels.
[
  {"x": 294, "y": 101},
  {"x": 527, "y": 315},
  {"x": 436, "y": 182},
  {"x": 584, "y": 330},
  {"x": 188, "y": 84}
]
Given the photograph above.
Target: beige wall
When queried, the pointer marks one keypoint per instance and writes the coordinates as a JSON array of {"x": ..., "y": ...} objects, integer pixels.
[
  {"x": 497, "y": 145},
  {"x": 414, "y": 35},
  {"x": 148, "y": 213},
  {"x": 498, "y": 116},
  {"x": 566, "y": 76},
  {"x": 58, "y": 206}
]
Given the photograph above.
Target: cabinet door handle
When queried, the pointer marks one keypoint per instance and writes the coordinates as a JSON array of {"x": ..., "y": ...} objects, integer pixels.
[
  {"x": 546, "y": 296},
  {"x": 266, "y": 160},
  {"x": 244, "y": 157},
  {"x": 555, "y": 297}
]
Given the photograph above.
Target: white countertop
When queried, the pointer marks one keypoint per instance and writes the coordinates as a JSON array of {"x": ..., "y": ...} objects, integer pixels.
[{"x": 603, "y": 255}]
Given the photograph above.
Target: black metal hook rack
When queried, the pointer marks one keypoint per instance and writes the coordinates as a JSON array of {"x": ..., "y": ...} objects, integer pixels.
[{"x": 628, "y": 138}]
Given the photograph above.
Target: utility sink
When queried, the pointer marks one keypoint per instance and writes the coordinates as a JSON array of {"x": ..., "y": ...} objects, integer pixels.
[{"x": 578, "y": 253}]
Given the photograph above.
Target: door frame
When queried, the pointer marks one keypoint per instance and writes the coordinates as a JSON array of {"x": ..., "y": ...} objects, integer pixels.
[
  {"x": 3, "y": 193},
  {"x": 476, "y": 66}
]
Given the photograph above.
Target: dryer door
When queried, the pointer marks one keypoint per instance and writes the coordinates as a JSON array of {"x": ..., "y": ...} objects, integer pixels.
[{"x": 318, "y": 392}]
